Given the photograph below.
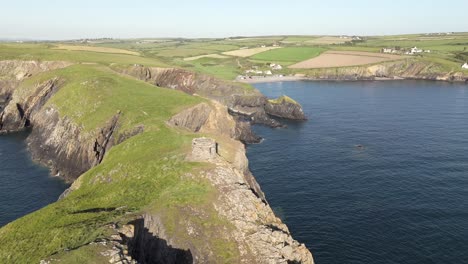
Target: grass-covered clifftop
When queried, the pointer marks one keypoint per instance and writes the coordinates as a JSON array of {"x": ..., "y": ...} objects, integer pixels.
[
  {"x": 135, "y": 188},
  {"x": 142, "y": 173}
]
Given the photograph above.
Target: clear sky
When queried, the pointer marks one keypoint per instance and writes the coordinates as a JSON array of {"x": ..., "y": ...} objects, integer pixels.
[{"x": 65, "y": 19}]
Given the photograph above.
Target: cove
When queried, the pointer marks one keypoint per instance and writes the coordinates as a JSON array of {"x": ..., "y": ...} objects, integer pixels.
[
  {"x": 24, "y": 185},
  {"x": 378, "y": 174}
]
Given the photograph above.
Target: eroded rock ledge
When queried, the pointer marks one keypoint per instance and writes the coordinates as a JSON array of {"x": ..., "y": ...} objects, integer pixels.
[
  {"x": 57, "y": 141},
  {"x": 247, "y": 106}
]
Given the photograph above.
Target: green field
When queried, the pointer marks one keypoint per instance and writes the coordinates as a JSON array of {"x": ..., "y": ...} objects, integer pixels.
[
  {"x": 288, "y": 55},
  {"x": 446, "y": 49},
  {"x": 47, "y": 52}
]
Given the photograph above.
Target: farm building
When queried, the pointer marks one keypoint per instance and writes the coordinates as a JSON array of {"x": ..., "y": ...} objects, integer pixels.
[
  {"x": 388, "y": 50},
  {"x": 465, "y": 66},
  {"x": 276, "y": 66},
  {"x": 416, "y": 50}
]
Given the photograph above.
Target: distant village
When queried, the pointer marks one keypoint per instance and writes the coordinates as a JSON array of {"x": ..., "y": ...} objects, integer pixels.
[
  {"x": 270, "y": 72},
  {"x": 412, "y": 51}
]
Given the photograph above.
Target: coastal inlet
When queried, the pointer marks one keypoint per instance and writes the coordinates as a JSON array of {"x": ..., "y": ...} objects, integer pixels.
[{"x": 378, "y": 174}]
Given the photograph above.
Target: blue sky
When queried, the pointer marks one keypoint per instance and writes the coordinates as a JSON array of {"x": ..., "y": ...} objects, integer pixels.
[{"x": 66, "y": 19}]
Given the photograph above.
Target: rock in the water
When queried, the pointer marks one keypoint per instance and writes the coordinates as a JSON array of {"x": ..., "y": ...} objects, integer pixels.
[{"x": 285, "y": 107}]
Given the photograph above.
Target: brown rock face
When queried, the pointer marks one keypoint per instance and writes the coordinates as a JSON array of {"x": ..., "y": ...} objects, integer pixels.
[
  {"x": 245, "y": 105},
  {"x": 404, "y": 69},
  {"x": 55, "y": 141},
  {"x": 285, "y": 107}
]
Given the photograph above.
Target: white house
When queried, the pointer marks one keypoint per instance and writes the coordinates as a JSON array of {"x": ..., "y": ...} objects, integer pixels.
[
  {"x": 465, "y": 66},
  {"x": 416, "y": 50},
  {"x": 268, "y": 73},
  {"x": 387, "y": 50},
  {"x": 276, "y": 66}
]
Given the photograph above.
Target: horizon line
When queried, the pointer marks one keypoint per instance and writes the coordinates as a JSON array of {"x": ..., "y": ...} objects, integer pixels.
[{"x": 5, "y": 39}]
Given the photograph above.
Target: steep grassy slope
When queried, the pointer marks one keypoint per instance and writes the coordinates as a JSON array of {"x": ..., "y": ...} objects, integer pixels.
[{"x": 143, "y": 172}]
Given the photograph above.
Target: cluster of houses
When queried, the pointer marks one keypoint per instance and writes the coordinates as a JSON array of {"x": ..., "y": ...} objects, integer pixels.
[
  {"x": 352, "y": 38},
  {"x": 411, "y": 51},
  {"x": 268, "y": 72},
  {"x": 256, "y": 71}
]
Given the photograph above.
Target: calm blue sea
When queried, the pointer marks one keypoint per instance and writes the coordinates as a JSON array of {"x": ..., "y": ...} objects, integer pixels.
[
  {"x": 402, "y": 197},
  {"x": 24, "y": 185}
]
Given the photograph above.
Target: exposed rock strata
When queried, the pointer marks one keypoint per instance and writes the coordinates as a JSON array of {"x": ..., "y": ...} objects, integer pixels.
[
  {"x": 55, "y": 141},
  {"x": 260, "y": 236},
  {"x": 405, "y": 69},
  {"x": 285, "y": 107},
  {"x": 246, "y": 106},
  {"x": 69, "y": 150},
  {"x": 12, "y": 72}
]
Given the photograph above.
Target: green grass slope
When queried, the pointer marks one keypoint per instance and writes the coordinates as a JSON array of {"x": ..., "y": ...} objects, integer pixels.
[
  {"x": 144, "y": 172},
  {"x": 48, "y": 52},
  {"x": 288, "y": 55}
]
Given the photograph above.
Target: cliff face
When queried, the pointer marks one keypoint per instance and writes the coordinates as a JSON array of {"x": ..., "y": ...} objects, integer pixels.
[
  {"x": 55, "y": 140},
  {"x": 232, "y": 223},
  {"x": 260, "y": 236},
  {"x": 285, "y": 107},
  {"x": 405, "y": 69},
  {"x": 248, "y": 106}
]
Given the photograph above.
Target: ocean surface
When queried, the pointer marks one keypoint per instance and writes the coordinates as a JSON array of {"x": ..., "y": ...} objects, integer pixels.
[
  {"x": 24, "y": 185},
  {"x": 378, "y": 174}
]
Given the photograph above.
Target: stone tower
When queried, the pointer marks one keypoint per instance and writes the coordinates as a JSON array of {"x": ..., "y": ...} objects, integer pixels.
[{"x": 204, "y": 149}]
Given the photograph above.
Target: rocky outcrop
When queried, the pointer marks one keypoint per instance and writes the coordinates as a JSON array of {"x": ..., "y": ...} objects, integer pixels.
[
  {"x": 61, "y": 145},
  {"x": 12, "y": 72},
  {"x": 285, "y": 107},
  {"x": 248, "y": 105},
  {"x": 260, "y": 236},
  {"x": 263, "y": 235},
  {"x": 206, "y": 118},
  {"x": 69, "y": 150},
  {"x": 404, "y": 69},
  {"x": 55, "y": 141},
  {"x": 21, "y": 107}
]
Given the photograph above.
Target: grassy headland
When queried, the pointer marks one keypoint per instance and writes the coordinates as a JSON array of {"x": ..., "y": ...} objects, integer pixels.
[{"x": 145, "y": 172}]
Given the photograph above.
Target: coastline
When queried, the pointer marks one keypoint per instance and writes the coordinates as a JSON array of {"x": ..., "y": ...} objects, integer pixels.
[{"x": 266, "y": 79}]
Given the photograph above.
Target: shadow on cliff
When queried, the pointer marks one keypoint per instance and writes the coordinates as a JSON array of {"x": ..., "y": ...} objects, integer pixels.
[{"x": 147, "y": 248}]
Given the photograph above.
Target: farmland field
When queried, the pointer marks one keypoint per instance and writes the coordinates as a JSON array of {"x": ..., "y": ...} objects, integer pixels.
[
  {"x": 214, "y": 56},
  {"x": 289, "y": 54},
  {"x": 331, "y": 59},
  {"x": 328, "y": 40},
  {"x": 248, "y": 52},
  {"x": 96, "y": 49}
]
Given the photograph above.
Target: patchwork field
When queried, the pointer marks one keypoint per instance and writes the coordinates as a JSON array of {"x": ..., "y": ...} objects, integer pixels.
[
  {"x": 288, "y": 55},
  {"x": 96, "y": 49},
  {"x": 331, "y": 59},
  {"x": 248, "y": 52},
  {"x": 328, "y": 40},
  {"x": 213, "y": 56}
]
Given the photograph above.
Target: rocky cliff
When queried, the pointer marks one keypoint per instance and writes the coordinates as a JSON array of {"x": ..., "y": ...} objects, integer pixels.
[
  {"x": 55, "y": 141},
  {"x": 404, "y": 69},
  {"x": 248, "y": 105},
  {"x": 226, "y": 217},
  {"x": 285, "y": 107},
  {"x": 260, "y": 236}
]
